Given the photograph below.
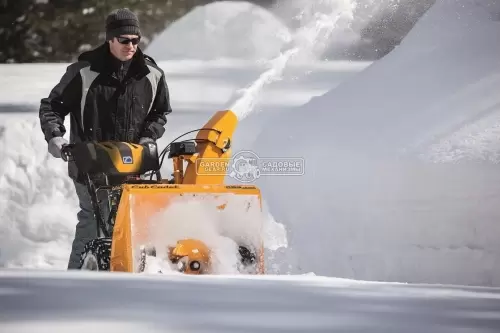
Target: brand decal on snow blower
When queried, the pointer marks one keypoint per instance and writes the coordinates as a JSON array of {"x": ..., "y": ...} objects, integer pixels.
[{"x": 247, "y": 166}]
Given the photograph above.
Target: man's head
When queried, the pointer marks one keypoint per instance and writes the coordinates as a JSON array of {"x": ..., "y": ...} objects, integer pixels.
[{"x": 123, "y": 33}]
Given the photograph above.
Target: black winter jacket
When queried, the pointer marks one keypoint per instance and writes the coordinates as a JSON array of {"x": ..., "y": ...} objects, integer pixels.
[{"x": 101, "y": 106}]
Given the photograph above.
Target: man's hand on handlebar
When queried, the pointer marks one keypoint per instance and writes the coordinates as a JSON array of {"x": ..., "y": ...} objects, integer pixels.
[{"x": 55, "y": 146}]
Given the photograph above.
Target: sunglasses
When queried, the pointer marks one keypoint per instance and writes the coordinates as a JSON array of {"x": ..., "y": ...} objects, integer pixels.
[{"x": 125, "y": 40}]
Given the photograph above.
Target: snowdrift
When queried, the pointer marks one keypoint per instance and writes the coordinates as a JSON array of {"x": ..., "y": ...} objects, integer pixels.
[
  {"x": 380, "y": 198},
  {"x": 216, "y": 31},
  {"x": 38, "y": 205}
]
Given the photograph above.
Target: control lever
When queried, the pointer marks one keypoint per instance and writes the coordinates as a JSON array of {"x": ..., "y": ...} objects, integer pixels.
[{"x": 66, "y": 154}]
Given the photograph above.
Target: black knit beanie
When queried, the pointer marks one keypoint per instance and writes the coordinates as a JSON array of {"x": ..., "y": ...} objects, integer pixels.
[{"x": 122, "y": 22}]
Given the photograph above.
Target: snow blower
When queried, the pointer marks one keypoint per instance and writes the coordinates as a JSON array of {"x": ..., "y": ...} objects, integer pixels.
[{"x": 182, "y": 220}]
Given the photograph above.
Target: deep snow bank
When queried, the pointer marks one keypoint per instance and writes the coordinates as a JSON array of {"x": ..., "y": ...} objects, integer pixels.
[
  {"x": 371, "y": 205},
  {"x": 37, "y": 201},
  {"x": 229, "y": 29}
]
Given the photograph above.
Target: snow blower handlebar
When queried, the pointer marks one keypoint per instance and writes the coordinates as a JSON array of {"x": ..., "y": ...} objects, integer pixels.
[{"x": 112, "y": 158}]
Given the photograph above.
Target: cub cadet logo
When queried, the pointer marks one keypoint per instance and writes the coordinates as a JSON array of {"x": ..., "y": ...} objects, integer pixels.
[{"x": 127, "y": 160}]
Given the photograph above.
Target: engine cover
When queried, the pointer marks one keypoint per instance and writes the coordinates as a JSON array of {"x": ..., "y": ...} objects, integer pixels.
[{"x": 115, "y": 158}]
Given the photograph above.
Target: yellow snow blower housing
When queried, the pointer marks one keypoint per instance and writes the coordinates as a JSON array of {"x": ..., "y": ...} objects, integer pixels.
[{"x": 181, "y": 220}]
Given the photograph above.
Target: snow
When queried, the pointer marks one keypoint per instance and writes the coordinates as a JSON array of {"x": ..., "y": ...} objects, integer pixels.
[
  {"x": 17, "y": 77},
  {"x": 216, "y": 31},
  {"x": 401, "y": 179},
  {"x": 240, "y": 223},
  {"x": 400, "y": 184},
  {"x": 306, "y": 44},
  {"x": 47, "y": 301},
  {"x": 36, "y": 200}
]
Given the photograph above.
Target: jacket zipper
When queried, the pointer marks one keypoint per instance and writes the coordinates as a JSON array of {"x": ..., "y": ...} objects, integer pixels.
[{"x": 127, "y": 119}]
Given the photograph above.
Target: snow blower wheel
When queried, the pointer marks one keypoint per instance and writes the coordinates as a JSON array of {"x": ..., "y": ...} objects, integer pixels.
[{"x": 96, "y": 255}]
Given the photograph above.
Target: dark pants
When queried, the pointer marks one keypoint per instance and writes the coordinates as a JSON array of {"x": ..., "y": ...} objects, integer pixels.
[{"x": 86, "y": 228}]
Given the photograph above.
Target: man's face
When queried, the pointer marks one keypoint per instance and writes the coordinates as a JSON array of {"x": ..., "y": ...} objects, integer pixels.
[{"x": 124, "y": 46}]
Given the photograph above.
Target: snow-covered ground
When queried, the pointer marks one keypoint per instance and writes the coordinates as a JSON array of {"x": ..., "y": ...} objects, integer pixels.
[
  {"x": 401, "y": 184},
  {"x": 55, "y": 302}
]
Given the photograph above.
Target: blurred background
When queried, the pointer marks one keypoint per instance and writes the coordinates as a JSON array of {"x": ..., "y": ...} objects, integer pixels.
[{"x": 58, "y": 30}]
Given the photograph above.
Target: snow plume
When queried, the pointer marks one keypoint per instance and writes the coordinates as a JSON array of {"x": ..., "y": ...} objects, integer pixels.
[{"x": 318, "y": 20}]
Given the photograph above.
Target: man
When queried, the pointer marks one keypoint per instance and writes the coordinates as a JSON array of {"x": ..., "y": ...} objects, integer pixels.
[{"x": 114, "y": 92}]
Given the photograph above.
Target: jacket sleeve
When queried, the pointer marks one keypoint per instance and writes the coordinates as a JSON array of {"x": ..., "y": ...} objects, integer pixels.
[
  {"x": 154, "y": 126},
  {"x": 61, "y": 100}
]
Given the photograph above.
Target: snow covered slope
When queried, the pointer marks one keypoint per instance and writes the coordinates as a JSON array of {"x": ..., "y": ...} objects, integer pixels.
[{"x": 378, "y": 200}]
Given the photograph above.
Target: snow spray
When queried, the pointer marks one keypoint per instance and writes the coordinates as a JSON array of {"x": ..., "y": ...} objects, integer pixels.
[{"x": 317, "y": 21}]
